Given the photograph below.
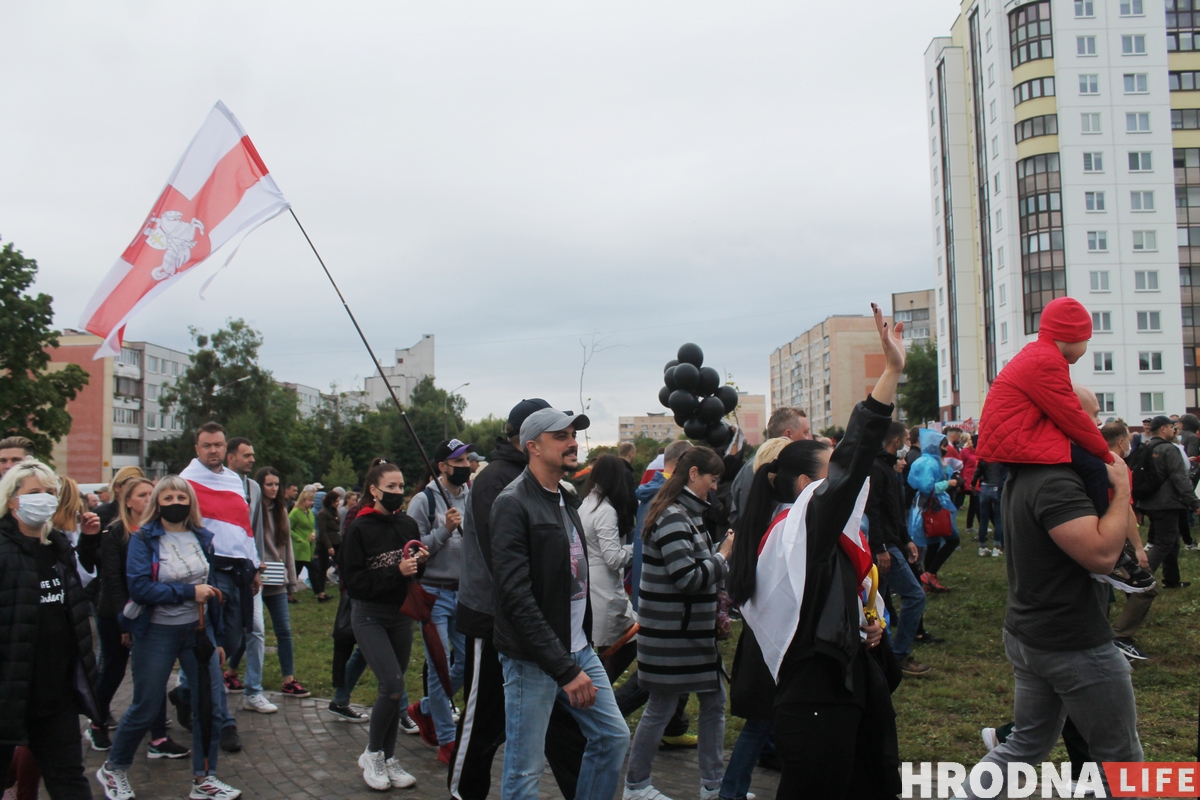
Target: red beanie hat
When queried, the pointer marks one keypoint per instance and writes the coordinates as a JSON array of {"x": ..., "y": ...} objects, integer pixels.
[{"x": 1065, "y": 320}]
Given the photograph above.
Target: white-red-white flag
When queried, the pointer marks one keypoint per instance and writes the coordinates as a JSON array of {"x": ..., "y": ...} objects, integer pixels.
[{"x": 219, "y": 189}]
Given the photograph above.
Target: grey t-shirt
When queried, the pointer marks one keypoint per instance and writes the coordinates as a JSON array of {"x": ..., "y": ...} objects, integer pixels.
[
  {"x": 1053, "y": 602},
  {"x": 579, "y": 581},
  {"x": 180, "y": 560}
]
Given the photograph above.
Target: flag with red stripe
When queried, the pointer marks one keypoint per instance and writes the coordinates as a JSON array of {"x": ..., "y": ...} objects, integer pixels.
[
  {"x": 219, "y": 189},
  {"x": 223, "y": 507}
]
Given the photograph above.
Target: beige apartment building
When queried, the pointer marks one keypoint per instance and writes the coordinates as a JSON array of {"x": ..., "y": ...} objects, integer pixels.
[
  {"x": 827, "y": 369},
  {"x": 751, "y": 415}
]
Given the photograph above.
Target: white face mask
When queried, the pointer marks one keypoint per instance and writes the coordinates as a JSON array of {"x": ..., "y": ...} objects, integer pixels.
[{"x": 36, "y": 509}]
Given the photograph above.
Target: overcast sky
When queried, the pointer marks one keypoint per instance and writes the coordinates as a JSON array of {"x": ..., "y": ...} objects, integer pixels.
[{"x": 508, "y": 176}]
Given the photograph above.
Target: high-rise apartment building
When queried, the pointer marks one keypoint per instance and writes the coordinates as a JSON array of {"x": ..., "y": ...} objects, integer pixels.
[
  {"x": 1060, "y": 131},
  {"x": 751, "y": 414}
]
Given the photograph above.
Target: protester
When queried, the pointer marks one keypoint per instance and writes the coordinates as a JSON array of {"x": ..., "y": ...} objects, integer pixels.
[
  {"x": 347, "y": 502},
  {"x": 47, "y": 668},
  {"x": 377, "y": 575},
  {"x": 989, "y": 484},
  {"x": 329, "y": 536},
  {"x": 304, "y": 533},
  {"x": 677, "y": 648},
  {"x": 14, "y": 450},
  {"x": 543, "y": 618},
  {"x": 894, "y": 549},
  {"x": 440, "y": 526},
  {"x": 931, "y": 480},
  {"x": 290, "y": 494},
  {"x": 481, "y": 727},
  {"x": 607, "y": 520},
  {"x": 239, "y": 459},
  {"x": 834, "y": 724},
  {"x": 170, "y": 571},
  {"x": 970, "y": 462},
  {"x": 107, "y": 510},
  {"x": 626, "y": 451},
  {"x": 788, "y": 423},
  {"x": 70, "y": 519}
]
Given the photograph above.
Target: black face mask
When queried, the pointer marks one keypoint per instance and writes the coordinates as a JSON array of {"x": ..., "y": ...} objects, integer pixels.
[
  {"x": 459, "y": 476},
  {"x": 175, "y": 514},
  {"x": 391, "y": 501}
]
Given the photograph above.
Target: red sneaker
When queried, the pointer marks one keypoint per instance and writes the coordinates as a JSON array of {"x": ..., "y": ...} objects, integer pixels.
[
  {"x": 232, "y": 684},
  {"x": 445, "y": 753},
  {"x": 934, "y": 583},
  {"x": 424, "y": 724},
  {"x": 293, "y": 689}
]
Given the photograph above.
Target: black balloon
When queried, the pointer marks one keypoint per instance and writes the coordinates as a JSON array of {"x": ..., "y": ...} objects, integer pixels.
[
  {"x": 670, "y": 364},
  {"x": 691, "y": 354},
  {"x": 729, "y": 397},
  {"x": 681, "y": 421},
  {"x": 669, "y": 379},
  {"x": 686, "y": 376},
  {"x": 695, "y": 429},
  {"x": 684, "y": 404},
  {"x": 710, "y": 379},
  {"x": 720, "y": 436},
  {"x": 711, "y": 410},
  {"x": 664, "y": 396}
]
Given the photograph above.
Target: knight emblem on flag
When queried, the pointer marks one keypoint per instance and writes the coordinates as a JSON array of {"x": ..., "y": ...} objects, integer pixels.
[{"x": 170, "y": 233}]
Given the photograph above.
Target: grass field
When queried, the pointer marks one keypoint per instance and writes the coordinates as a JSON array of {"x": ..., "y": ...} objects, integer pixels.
[{"x": 939, "y": 717}]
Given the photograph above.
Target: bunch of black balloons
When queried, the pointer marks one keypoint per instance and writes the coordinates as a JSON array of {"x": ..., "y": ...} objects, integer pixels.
[{"x": 698, "y": 399}]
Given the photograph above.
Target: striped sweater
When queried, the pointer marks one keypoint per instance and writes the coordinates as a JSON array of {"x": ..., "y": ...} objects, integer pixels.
[{"x": 677, "y": 611}]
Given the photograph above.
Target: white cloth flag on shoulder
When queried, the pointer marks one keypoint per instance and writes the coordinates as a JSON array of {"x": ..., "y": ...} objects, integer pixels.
[
  {"x": 219, "y": 189},
  {"x": 774, "y": 611}
]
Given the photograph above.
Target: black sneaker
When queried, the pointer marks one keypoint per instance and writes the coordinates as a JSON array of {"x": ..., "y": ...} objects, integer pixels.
[
  {"x": 1129, "y": 650},
  {"x": 407, "y": 725},
  {"x": 168, "y": 748},
  {"x": 111, "y": 723},
  {"x": 98, "y": 737},
  {"x": 927, "y": 638},
  {"x": 1128, "y": 576},
  {"x": 183, "y": 711},
  {"x": 347, "y": 714},
  {"x": 230, "y": 741}
]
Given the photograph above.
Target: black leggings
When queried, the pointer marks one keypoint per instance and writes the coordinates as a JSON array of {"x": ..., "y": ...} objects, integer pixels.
[
  {"x": 938, "y": 550},
  {"x": 824, "y": 752},
  {"x": 972, "y": 509},
  {"x": 385, "y": 636}
]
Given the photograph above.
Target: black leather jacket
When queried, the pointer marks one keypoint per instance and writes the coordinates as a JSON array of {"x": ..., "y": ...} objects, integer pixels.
[{"x": 531, "y": 572}]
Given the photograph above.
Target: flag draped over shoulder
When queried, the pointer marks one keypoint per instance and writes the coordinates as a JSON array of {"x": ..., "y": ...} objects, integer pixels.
[
  {"x": 774, "y": 611},
  {"x": 220, "y": 188},
  {"x": 224, "y": 509}
]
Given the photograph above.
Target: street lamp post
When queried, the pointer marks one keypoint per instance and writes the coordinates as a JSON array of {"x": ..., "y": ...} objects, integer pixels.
[{"x": 446, "y": 410}]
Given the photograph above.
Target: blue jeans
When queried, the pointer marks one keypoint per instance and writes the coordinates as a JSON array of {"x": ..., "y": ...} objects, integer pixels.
[
  {"x": 529, "y": 696},
  {"x": 749, "y": 746},
  {"x": 901, "y": 580},
  {"x": 152, "y": 657},
  {"x": 255, "y": 650},
  {"x": 354, "y": 670},
  {"x": 437, "y": 704},
  {"x": 989, "y": 510}
]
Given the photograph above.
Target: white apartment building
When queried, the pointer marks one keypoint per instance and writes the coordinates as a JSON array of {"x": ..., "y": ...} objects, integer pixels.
[
  {"x": 1064, "y": 142},
  {"x": 410, "y": 366}
]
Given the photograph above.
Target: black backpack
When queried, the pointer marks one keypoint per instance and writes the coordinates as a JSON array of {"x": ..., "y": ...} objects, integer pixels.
[{"x": 1147, "y": 477}]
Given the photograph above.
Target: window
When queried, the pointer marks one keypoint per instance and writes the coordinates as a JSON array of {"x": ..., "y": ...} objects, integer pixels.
[
  {"x": 931, "y": 118},
  {"x": 943, "y": 356},
  {"x": 151, "y": 391},
  {"x": 1108, "y": 402},
  {"x": 942, "y": 325},
  {"x": 1145, "y": 242},
  {"x": 1085, "y": 45},
  {"x": 939, "y": 265},
  {"x": 1099, "y": 280},
  {"x": 1137, "y": 122},
  {"x": 988, "y": 38},
  {"x": 1133, "y": 45},
  {"x": 1136, "y": 83},
  {"x": 933, "y": 146},
  {"x": 1093, "y": 162},
  {"x": 1000, "y": 257},
  {"x": 1000, "y": 220},
  {"x": 151, "y": 364},
  {"x": 1083, "y": 8},
  {"x": 1183, "y": 81},
  {"x": 1185, "y": 119},
  {"x": 937, "y": 235},
  {"x": 991, "y": 74},
  {"x": 1102, "y": 362},
  {"x": 1131, "y": 8},
  {"x": 992, "y": 110},
  {"x": 1139, "y": 161},
  {"x": 1031, "y": 90},
  {"x": 1152, "y": 402},
  {"x": 1102, "y": 321},
  {"x": 1089, "y": 84},
  {"x": 1149, "y": 321},
  {"x": 151, "y": 421},
  {"x": 1003, "y": 294},
  {"x": 1094, "y": 201},
  {"x": 1097, "y": 241},
  {"x": 1045, "y": 125},
  {"x": 931, "y": 87},
  {"x": 1149, "y": 362},
  {"x": 1090, "y": 123},
  {"x": 1141, "y": 201},
  {"x": 996, "y": 183},
  {"x": 1029, "y": 33},
  {"x": 1003, "y": 333},
  {"x": 127, "y": 416},
  {"x": 1042, "y": 258},
  {"x": 126, "y": 447},
  {"x": 941, "y": 296},
  {"x": 1145, "y": 280},
  {"x": 937, "y": 206},
  {"x": 129, "y": 356},
  {"x": 995, "y": 146}
]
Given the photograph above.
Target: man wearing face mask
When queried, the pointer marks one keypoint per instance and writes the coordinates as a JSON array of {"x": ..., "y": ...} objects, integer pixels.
[{"x": 441, "y": 533}]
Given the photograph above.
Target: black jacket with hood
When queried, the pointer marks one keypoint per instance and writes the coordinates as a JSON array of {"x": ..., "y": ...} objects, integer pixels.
[{"x": 886, "y": 524}]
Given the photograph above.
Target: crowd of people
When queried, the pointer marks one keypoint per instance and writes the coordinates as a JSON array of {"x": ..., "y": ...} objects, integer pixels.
[{"x": 535, "y": 595}]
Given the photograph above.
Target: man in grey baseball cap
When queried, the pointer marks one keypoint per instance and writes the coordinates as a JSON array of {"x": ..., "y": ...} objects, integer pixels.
[{"x": 551, "y": 420}]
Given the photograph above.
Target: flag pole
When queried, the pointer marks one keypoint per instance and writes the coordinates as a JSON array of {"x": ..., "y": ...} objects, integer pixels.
[{"x": 407, "y": 423}]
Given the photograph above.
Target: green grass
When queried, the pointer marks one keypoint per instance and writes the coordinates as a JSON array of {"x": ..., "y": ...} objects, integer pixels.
[{"x": 938, "y": 717}]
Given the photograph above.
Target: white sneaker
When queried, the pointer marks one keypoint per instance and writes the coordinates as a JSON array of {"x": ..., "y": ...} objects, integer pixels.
[
  {"x": 647, "y": 793},
  {"x": 989, "y": 739},
  {"x": 212, "y": 789},
  {"x": 396, "y": 774},
  {"x": 115, "y": 783},
  {"x": 374, "y": 770},
  {"x": 997, "y": 552},
  {"x": 983, "y": 551},
  {"x": 259, "y": 703}
]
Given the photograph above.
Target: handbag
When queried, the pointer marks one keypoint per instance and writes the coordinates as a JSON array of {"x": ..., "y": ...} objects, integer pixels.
[
  {"x": 343, "y": 629},
  {"x": 937, "y": 520}
]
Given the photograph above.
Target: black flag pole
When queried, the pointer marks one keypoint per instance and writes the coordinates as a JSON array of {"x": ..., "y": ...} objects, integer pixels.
[{"x": 407, "y": 423}]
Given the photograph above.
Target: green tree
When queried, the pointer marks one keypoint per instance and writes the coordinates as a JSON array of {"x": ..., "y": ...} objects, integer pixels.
[
  {"x": 835, "y": 432},
  {"x": 918, "y": 393},
  {"x": 33, "y": 399},
  {"x": 483, "y": 434},
  {"x": 341, "y": 473}
]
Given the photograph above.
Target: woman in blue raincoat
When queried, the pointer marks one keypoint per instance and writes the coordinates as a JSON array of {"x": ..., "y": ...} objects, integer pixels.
[{"x": 930, "y": 478}]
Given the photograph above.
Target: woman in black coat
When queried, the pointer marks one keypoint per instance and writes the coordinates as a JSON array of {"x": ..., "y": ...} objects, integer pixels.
[{"x": 44, "y": 686}]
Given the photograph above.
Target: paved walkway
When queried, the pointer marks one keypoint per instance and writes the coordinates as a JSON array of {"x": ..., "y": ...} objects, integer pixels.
[{"x": 302, "y": 752}]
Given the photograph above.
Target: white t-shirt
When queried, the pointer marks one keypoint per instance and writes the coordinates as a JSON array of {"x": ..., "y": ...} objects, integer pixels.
[{"x": 579, "y": 582}]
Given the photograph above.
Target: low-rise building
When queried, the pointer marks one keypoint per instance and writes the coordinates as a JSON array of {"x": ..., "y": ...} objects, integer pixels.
[
  {"x": 751, "y": 415},
  {"x": 410, "y": 366}
]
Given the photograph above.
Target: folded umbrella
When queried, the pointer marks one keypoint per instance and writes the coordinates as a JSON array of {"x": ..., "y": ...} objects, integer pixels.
[
  {"x": 204, "y": 648},
  {"x": 418, "y": 605}
]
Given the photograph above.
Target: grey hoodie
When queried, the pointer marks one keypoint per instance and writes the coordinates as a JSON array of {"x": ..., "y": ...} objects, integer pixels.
[{"x": 445, "y": 547}]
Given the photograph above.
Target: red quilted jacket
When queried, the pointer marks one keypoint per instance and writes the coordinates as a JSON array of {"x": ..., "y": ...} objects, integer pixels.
[{"x": 1032, "y": 415}]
